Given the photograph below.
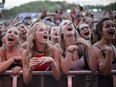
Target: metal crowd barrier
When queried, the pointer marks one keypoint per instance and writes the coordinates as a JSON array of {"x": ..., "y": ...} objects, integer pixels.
[{"x": 45, "y": 79}]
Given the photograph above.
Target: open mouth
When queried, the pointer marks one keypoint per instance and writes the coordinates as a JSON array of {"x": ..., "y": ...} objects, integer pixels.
[
  {"x": 56, "y": 34},
  {"x": 10, "y": 39},
  {"x": 69, "y": 29},
  {"x": 24, "y": 33},
  {"x": 45, "y": 37},
  {"x": 111, "y": 32},
  {"x": 86, "y": 33}
]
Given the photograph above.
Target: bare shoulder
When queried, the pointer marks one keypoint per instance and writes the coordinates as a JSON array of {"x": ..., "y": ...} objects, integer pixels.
[
  {"x": 24, "y": 52},
  {"x": 2, "y": 52},
  {"x": 55, "y": 53},
  {"x": 22, "y": 49},
  {"x": 24, "y": 45},
  {"x": 95, "y": 47},
  {"x": 97, "y": 51},
  {"x": 54, "y": 48}
]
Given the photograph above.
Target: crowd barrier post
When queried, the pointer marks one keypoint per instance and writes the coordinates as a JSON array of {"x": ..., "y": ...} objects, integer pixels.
[{"x": 46, "y": 79}]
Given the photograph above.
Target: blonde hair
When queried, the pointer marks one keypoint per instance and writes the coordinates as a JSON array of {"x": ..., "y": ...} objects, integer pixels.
[
  {"x": 20, "y": 35},
  {"x": 61, "y": 37},
  {"x": 31, "y": 41}
]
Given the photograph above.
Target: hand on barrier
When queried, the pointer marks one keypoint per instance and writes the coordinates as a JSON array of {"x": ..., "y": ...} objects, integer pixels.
[{"x": 16, "y": 70}]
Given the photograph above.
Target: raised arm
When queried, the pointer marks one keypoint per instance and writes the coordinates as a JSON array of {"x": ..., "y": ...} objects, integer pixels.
[
  {"x": 71, "y": 55},
  {"x": 104, "y": 63},
  {"x": 90, "y": 54}
]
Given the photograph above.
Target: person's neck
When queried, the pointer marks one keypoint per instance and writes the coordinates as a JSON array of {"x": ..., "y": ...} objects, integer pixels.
[
  {"x": 11, "y": 48},
  {"x": 105, "y": 42},
  {"x": 40, "y": 48},
  {"x": 54, "y": 40},
  {"x": 69, "y": 40}
]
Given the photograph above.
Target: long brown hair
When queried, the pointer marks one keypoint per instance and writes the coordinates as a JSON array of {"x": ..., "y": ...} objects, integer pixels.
[{"x": 99, "y": 28}]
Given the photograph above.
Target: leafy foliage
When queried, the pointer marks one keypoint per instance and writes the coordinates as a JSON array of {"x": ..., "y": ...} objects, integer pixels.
[{"x": 51, "y": 6}]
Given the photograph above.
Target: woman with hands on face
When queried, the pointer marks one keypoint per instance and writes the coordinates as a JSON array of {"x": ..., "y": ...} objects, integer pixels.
[
  {"x": 39, "y": 55},
  {"x": 10, "y": 52}
]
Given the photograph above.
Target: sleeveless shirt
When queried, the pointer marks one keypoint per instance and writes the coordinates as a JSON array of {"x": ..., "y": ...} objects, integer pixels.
[{"x": 43, "y": 67}]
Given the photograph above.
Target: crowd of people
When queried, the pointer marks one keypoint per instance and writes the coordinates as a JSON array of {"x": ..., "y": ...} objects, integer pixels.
[{"x": 57, "y": 43}]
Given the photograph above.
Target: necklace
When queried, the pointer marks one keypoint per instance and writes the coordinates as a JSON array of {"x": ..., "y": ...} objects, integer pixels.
[{"x": 42, "y": 51}]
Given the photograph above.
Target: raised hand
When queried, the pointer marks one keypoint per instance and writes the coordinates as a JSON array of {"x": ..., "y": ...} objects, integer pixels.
[
  {"x": 71, "y": 48},
  {"x": 73, "y": 13},
  {"x": 107, "y": 49},
  {"x": 86, "y": 43}
]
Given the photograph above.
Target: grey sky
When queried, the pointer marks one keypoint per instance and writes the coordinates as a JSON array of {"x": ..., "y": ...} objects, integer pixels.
[{"x": 11, "y": 3}]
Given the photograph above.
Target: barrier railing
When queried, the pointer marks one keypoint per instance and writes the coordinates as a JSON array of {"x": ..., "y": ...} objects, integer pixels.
[{"x": 45, "y": 79}]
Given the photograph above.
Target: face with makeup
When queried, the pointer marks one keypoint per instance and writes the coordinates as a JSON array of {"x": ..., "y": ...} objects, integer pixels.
[
  {"x": 41, "y": 34},
  {"x": 23, "y": 29},
  {"x": 85, "y": 31},
  {"x": 67, "y": 27},
  {"x": 54, "y": 32},
  {"x": 12, "y": 36},
  {"x": 108, "y": 30}
]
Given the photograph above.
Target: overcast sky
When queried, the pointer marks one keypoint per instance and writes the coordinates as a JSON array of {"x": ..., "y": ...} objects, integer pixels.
[{"x": 11, "y": 3}]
